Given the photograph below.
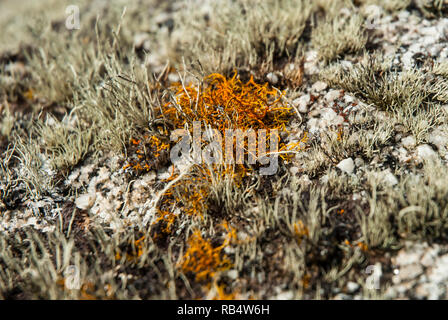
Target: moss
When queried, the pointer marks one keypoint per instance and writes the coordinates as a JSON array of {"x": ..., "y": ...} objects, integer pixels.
[{"x": 337, "y": 36}]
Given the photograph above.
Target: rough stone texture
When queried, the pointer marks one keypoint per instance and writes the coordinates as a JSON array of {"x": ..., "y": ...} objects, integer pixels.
[{"x": 422, "y": 272}]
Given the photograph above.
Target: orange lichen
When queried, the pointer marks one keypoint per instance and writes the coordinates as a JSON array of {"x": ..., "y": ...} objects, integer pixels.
[
  {"x": 147, "y": 153},
  {"x": 231, "y": 231},
  {"x": 306, "y": 279},
  {"x": 133, "y": 252},
  {"x": 172, "y": 176},
  {"x": 300, "y": 230},
  {"x": 168, "y": 218},
  {"x": 288, "y": 149},
  {"x": 29, "y": 94},
  {"x": 203, "y": 259},
  {"x": 228, "y": 103},
  {"x": 340, "y": 133},
  {"x": 362, "y": 246},
  {"x": 219, "y": 103},
  {"x": 87, "y": 291},
  {"x": 221, "y": 293},
  {"x": 223, "y": 104}
]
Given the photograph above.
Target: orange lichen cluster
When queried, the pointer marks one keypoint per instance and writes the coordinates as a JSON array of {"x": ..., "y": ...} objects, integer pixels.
[
  {"x": 231, "y": 232},
  {"x": 287, "y": 150},
  {"x": 189, "y": 194},
  {"x": 360, "y": 245},
  {"x": 166, "y": 219},
  {"x": 228, "y": 103},
  {"x": 223, "y": 104},
  {"x": 300, "y": 230},
  {"x": 29, "y": 94},
  {"x": 148, "y": 153},
  {"x": 203, "y": 259},
  {"x": 219, "y": 103},
  {"x": 192, "y": 193},
  {"x": 306, "y": 279},
  {"x": 221, "y": 293}
]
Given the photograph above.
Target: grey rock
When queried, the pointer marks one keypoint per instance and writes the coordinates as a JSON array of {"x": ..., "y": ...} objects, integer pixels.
[
  {"x": 439, "y": 138},
  {"x": 403, "y": 15},
  {"x": 407, "y": 60},
  {"x": 85, "y": 201},
  {"x": 439, "y": 272},
  {"x": 330, "y": 117},
  {"x": 406, "y": 257},
  {"x": 346, "y": 165},
  {"x": 430, "y": 291},
  {"x": 272, "y": 78},
  {"x": 349, "y": 98},
  {"x": 232, "y": 274},
  {"x": 311, "y": 60},
  {"x": 312, "y": 125},
  {"x": 352, "y": 287},
  {"x": 302, "y": 102},
  {"x": 287, "y": 295},
  {"x": 332, "y": 95},
  {"x": 319, "y": 86},
  {"x": 410, "y": 271},
  {"x": 429, "y": 257},
  {"x": 387, "y": 177},
  {"x": 409, "y": 142},
  {"x": 425, "y": 152},
  {"x": 359, "y": 162},
  {"x": 141, "y": 40}
]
